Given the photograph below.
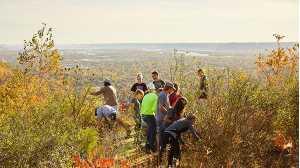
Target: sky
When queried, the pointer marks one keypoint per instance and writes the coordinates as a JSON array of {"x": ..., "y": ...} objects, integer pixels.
[{"x": 142, "y": 21}]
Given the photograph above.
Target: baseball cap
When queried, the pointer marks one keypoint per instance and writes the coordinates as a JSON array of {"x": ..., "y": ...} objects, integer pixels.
[
  {"x": 169, "y": 84},
  {"x": 107, "y": 81},
  {"x": 150, "y": 86}
]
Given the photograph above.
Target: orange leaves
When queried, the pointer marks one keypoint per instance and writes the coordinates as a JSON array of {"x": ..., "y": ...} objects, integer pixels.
[
  {"x": 281, "y": 143},
  {"x": 99, "y": 163},
  {"x": 123, "y": 106},
  {"x": 104, "y": 163},
  {"x": 77, "y": 160},
  {"x": 80, "y": 163}
]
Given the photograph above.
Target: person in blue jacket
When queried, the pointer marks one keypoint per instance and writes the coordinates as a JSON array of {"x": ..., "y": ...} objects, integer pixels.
[{"x": 172, "y": 135}]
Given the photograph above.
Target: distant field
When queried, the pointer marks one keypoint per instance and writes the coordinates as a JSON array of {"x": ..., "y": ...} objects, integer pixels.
[{"x": 234, "y": 55}]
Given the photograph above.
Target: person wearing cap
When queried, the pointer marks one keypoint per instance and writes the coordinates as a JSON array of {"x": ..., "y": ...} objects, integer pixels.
[
  {"x": 139, "y": 84},
  {"x": 172, "y": 135},
  {"x": 110, "y": 108},
  {"x": 158, "y": 83},
  {"x": 148, "y": 109}
]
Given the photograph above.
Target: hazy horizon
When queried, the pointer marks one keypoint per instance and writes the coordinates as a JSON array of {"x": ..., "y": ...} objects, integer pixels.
[
  {"x": 120, "y": 43},
  {"x": 240, "y": 48}
]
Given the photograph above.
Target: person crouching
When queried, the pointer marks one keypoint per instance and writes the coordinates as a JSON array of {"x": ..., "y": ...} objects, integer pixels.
[{"x": 172, "y": 135}]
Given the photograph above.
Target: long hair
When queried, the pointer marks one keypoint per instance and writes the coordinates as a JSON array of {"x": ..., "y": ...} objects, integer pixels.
[{"x": 180, "y": 104}]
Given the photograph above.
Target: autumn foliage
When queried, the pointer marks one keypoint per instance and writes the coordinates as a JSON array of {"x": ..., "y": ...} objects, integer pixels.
[{"x": 47, "y": 113}]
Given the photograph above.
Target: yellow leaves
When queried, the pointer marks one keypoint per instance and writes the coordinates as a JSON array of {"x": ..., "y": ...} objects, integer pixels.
[
  {"x": 50, "y": 44},
  {"x": 278, "y": 63},
  {"x": 23, "y": 92},
  {"x": 54, "y": 63},
  {"x": 5, "y": 72}
]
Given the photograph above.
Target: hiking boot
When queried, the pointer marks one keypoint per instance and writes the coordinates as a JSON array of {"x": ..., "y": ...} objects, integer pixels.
[
  {"x": 175, "y": 162},
  {"x": 153, "y": 150},
  {"x": 147, "y": 149}
]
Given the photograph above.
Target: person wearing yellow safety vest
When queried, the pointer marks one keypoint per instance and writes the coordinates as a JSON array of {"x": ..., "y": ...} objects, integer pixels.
[{"x": 148, "y": 110}]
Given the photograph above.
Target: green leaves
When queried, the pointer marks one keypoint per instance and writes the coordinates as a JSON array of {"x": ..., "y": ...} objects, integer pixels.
[{"x": 87, "y": 140}]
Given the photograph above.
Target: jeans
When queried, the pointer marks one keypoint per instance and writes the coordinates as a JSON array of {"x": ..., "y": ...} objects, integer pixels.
[
  {"x": 151, "y": 131},
  {"x": 161, "y": 129},
  {"x": 174, "y": 152},
  {"x": 163, "y": 141}
]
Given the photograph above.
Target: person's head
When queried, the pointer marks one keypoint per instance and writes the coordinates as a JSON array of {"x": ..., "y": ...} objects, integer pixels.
[
  {"x": 151, "y": 87},
  {"x": 139, "y": 94},
  {"x": 191, "y": 117},
  {"x": 169, "y": 88},
  {"x": 176, "y": 87},
  {"x": 139, "y": 77},
  {"x": 155, "y": 75},
  {"x": 107, "y": 82},
  {"x": 180, "y": 105},
  {"x": 200, "y": 72}
]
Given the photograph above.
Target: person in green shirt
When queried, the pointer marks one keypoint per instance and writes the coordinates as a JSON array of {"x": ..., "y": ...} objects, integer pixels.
[{"x": 148, "y": 110}]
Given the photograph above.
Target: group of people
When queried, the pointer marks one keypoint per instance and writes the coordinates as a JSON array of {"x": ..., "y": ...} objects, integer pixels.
[{"x": 159, "y": 105}]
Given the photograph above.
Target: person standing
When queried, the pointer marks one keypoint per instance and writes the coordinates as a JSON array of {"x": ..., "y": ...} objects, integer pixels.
[
  {"x": 203, "y": 84},
  {"x": 172, "y": 135},
  {"x": 158, "y": 83},
  {"x": 140, "y": 84},
  {"x": 163, "y": 103},
  {"x": 136, "y": 106},
  {"x": 148, "y": 109}
]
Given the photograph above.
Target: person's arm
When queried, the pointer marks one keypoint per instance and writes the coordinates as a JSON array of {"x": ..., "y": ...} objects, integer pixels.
[
  {"x": 168, "y": 119},
  {"x": 162, "y": 108},
  {"x": 205, "y": 82},
  {"x": 194, "y": 132},
  {"x": 154, "y": 106},
  {"x": 133, "y": 88},
  {"x": 101, "y": 91},
  {"x": 145, "y": 88},
  {"x": 161, "y": 101},
  {"x": 180, "y": 140},
  {"x": 163, "y": 83}
]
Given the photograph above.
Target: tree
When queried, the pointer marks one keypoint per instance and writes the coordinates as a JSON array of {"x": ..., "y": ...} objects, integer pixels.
[{"x": 39, "y": 55}]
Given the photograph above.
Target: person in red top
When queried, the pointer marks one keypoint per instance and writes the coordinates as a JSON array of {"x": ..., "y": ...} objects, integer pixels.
[{"x": 175, "y": 96}]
